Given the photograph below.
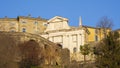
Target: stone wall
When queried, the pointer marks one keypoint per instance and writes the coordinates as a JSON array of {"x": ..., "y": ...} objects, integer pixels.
[{"x": 52, "y": 50}]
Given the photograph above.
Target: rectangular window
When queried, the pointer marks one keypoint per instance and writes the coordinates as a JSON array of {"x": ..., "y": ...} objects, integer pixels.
[
  {"x": 57, "y": 38},
  {"x": 23, "y": 29},
  {"x": 96, "y": 31},
  {"x": 96, "y": 38},
  {"x": 74, "y": 38},
  {"x": 23, "y": 21},
  {"x": 45, "y": 24},
  {"x": 36, "y": 23}
]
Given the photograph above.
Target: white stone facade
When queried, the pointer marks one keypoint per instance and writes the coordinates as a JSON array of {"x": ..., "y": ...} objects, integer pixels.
[
  {"x": 59, "y": 31},
  {"x": 68, "y": 39},
  {"x": 57, "y": 23}
]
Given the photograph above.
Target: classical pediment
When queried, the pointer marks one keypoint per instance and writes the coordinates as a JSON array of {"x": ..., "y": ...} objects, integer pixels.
[
  {"x": 57, "y": 23},
  {"x": 57, "y": 19}
]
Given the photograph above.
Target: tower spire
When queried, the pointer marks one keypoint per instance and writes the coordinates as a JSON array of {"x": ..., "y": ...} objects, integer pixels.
[{"x": 80, "y": 21}]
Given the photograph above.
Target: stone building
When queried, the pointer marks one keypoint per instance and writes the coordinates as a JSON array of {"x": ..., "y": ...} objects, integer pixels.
[
  {"x": 96, "y": 33},
  {"x": 56, "y": 30},
  {"x": 23, "y": 24}
]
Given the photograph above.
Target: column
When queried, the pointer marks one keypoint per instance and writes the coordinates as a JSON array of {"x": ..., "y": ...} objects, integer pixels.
[
  {"x": 64, "y": 41},
  {"x": 83, "y": 39},
  {"x": 70, "y": 44},
  {"x": 78, "y": 42}
]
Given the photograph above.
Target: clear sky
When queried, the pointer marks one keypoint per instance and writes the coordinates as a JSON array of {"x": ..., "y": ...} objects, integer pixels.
[{"x": 90, "y": 10}]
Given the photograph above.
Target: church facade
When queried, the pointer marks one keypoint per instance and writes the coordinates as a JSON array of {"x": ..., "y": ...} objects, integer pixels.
[{"x": 58, "y": 31}]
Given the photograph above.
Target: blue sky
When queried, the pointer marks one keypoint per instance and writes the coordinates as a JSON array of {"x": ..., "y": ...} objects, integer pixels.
[{"x": 90, "y": 10}]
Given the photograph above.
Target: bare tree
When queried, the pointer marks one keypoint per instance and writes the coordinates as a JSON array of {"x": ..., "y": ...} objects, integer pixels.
[{"x": 105, "y": 24}]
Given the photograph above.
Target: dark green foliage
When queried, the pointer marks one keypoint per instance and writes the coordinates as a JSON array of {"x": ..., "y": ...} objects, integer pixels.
[
  {"x": 85, "y": 50},
  {"x": 108, "y": 52}
]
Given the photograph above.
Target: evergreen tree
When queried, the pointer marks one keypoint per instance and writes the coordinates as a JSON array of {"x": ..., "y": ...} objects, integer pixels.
[
  {"x": 108, "y": 52},
  {"x": 85, "y": 50}
]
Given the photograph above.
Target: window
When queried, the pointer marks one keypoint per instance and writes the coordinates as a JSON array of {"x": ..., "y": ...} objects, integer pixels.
[
  {"x": 59, "y": 45},
  {"x": 74, "y": 50},
  {"x": 96, "y": 38},
  {"x": 45, "y": 24},
  {"x": 74, "y": 38},
  {"x": 35, "y": 22},
  {"x": 45, "y": 46},
  {"x": 23, "y": 21},
  {"x": 96, "y": 31},
  {"x": 23, "y": 29},
  {"x": 12, "y": 30},
  {"x": 58, "y": 39}
]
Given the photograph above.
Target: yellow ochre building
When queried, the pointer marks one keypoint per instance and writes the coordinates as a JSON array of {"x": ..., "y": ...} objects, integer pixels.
[{"x": 95, "y": 34}]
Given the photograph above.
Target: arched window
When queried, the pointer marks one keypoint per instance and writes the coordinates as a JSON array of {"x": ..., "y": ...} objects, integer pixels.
[
  {"x": 74, "y": 50},
  {"x": 23, "y": 29},
  {"x": 12, "y": 29}
]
